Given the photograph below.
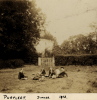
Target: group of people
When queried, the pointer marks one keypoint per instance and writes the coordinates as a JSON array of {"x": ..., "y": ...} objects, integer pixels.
[{"x": 57, "y": 73}]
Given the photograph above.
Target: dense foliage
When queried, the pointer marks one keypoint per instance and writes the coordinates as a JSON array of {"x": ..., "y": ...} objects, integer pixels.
[
  {"x": 12, "y": 63},
  {"x": 20, "y": 25},
  {"x": 76, "y": 60},
  {"x": 78, "y": 44}
]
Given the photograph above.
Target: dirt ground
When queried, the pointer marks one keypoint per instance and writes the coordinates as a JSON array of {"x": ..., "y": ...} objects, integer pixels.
[{"x": 81, "y": 79}]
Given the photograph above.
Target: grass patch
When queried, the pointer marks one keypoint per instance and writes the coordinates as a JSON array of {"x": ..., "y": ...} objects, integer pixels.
[
  {"x": 64, "y": 88},
  {"x": 94, "y": 84},
  {"x": 88, "y": 91},
  {"x": 73, "y": 84},
  {"x": 29, "y": 91}
]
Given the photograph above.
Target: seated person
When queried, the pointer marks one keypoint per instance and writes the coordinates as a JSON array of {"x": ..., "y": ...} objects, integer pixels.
[
  {"x": 62, "y": 73},
  {"x": 21, "y": 75},
  {"x": 51, "y": 72},
  {"x": 43, "y": 72}
]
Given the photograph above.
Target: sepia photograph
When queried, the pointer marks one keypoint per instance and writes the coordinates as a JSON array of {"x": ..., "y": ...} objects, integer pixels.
[{"x": 48, "y": 46}]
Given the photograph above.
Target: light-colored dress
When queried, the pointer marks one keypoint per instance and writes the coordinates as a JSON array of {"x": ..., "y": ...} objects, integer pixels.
[{"x": 57, "y": 72}]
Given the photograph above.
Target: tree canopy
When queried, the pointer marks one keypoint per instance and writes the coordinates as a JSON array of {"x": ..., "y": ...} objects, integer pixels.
[
  {"x": 48, "y": 36},
  {"x": 20, "y": 25},
  {"x": 80, "y": 44}
]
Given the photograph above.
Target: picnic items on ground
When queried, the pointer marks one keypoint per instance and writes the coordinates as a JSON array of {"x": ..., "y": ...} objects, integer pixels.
[
  {"x": 53, "y": 76},
  {"x": 42, "y": 78},
  {"x": 40, "y": 74},
  {"x": 37, "y": 76}
]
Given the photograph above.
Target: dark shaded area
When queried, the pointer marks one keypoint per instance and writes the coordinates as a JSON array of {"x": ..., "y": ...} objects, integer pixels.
[
  {"x": 20, "y": 23},
  {"x": 11, "y": 63},
  {"x": 76, "y": 60},
  {"x": 94, "y": 84}
]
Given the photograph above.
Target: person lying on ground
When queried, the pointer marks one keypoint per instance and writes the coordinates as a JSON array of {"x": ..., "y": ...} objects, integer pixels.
[
  {"x": 51, "y": 72},
  {"x": 21, "y": 75},
  {"x": 40, "y": 74},
  {"x": 62, "y": 73},
  {"x": 37, "y": 76}
]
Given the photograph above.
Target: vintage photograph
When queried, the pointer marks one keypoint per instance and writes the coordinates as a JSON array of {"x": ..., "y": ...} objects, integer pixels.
[{"x": 48, "y": 46}]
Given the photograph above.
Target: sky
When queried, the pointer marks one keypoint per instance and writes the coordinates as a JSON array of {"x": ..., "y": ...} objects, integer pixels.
[{"x": 68, "y": 17}]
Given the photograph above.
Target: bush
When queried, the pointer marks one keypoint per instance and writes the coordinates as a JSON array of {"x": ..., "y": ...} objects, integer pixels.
[
  {"x": 1, "y": 63},
  {"x": 30, "y": 57},
  {"x": 76, "y": 60},
  {"x": 13, "y": 63},
  {"x": 18, "y": 62}
]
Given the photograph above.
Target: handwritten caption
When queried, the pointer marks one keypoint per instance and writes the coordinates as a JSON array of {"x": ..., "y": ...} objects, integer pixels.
[
  {"x": 15, "y": 97},
  {"x": 24, "y": 97}
]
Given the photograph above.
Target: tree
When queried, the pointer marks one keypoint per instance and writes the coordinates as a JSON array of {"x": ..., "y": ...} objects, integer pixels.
[
  {"x": 20, "y": 25},
  {"x": 66, "y": 47},
  {"x": 94, "y": 26},
  {"x": 48, "y": 36},
  {"x": 57, "y": 50},
  {"x": 80, "y": 44},
  {"x": 48, "y": 53},
  {"x": 91, "y": 43}
]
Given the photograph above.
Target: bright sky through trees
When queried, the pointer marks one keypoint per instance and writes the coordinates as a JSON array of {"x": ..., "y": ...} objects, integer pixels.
[{"x": 68, "y": 17}]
